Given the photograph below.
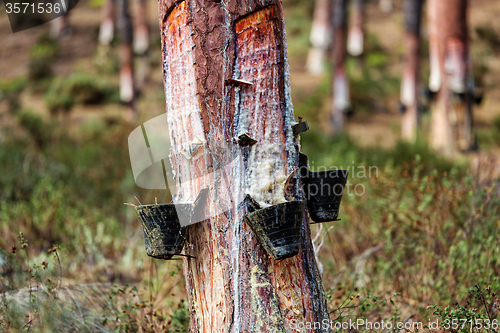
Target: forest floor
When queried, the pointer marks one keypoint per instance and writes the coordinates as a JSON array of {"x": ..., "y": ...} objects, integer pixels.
[{"x": 425, "y": 231}]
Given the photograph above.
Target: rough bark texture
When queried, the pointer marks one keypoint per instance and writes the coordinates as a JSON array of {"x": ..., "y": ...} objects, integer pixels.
[
  {"x": 448, "y": 42},
  {"x": 233, "y": 285},
  {"x": 410, "y": 82},
  {"x": 320, "y": 37},
  {"x": 341, "y": 99}
]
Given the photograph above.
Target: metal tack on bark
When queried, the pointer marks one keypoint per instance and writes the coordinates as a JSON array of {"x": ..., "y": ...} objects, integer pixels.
[
  {"x": 278, "y": 228},
  {"x": 300, "y": 127},
  {"x": 239, "y": 82},
  {"x": 245, "y": 140}
]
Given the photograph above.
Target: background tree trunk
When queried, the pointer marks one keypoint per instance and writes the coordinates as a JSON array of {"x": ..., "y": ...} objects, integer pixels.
[
  {"x": 233, "y": 285},
  {"x": 355, "y": 39},
  {"x": 320, "y": 37},
  {"x": 127, "y": 89},
  {"x": 141, "y": 37},
  {"x": 141, "y": 43},
  {"x": 341, "y": 100},
  {"x": 106, "y": 31},
  {"x": 59, "y": 27},
  {"x": 448, "y": 40},
  {"x": 411, "y": 80},
  {"x": 386, "y": 6}
]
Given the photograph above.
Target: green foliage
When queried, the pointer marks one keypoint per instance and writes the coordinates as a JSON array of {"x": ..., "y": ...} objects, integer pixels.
[
  {"x": 10, "y": 91},
  {"x": 78, "y": 88},
  {"x": 42, "y": 56},
  {"x": 475, "y": 316}
]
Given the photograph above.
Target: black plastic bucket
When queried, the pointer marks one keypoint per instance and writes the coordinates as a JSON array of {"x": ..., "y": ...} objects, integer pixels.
[
  {"x": 278, "y": 228},
  {"x": 163, "y": 234},
  {"x": 323, "y": 191}
]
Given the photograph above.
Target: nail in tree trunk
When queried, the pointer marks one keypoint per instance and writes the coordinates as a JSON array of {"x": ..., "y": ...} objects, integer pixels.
[
  {"x": 355, "y": 39},
  {"x": 127, "y": 89},
  {"x": 106, "y": 31},
  {"x": 448, "y": 48},
  {"x": 341, "y": 100},
  {"x": 226, "y": 73},
  {"x": 320, "y": 37},
  {"x": 410, "y": 83}
]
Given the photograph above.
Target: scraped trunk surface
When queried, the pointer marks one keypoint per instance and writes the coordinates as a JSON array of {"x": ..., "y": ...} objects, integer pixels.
[
  {"x": 232, "y": 284},
  {"x": 448, "y": 44},
  {"x": 411, "y": 81}
]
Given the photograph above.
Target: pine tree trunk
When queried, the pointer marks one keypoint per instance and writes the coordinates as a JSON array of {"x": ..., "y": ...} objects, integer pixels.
[
  {"x": 341, "y": 100},
  {"x": 106, "y": 31},
  {"x": 355, "y": 39},
  {"x": 320, "y": 37},
  {"x": 209, "y": 47},
  {"x": 141, "y": 37},
  {"x": 411, "y": 81},
  {"x": 127, "y": 89},
  {"x": 448, "y": 41}
]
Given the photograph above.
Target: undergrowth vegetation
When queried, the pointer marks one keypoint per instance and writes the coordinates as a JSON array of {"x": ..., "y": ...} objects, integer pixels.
[{"x": 418, "y": 239}]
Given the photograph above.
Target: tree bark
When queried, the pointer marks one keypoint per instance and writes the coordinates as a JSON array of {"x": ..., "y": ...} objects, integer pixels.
[
  {"x": 448, "y": 45},
  {"x": 320, "y": 37},
  {"x": 226, "y": 73},
  {"x": 341, "y": 100},
  {"x": 355, "y": 39},
  {"x": 411, "y": 81},
  {"x": 127, "y": 89}
]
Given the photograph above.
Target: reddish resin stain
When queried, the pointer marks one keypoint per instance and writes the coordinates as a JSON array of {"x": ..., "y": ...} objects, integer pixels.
[{"x": 259, "y": 61}]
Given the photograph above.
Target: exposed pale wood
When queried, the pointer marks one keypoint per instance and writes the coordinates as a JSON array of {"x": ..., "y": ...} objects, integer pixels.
[{"x": 233, "y": 285}]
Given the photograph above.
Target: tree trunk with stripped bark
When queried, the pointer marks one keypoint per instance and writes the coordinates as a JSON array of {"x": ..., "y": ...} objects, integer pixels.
[
  {"x": 106, "y": 30},
  {"x": 355, "y": 39},
  {"x": 141, "y": 31},
  {"x": 411, "y": 81},
  {"x": 341, "y": 99},
  {"x": 127, "y": 89},
  {"x": 448, "y": 49},
  {"x": 226, "y": 73},
  {"x": 320, "y": 37}
]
